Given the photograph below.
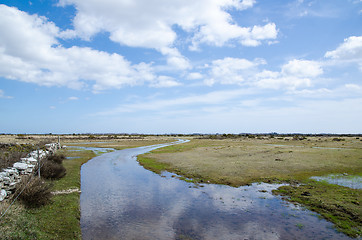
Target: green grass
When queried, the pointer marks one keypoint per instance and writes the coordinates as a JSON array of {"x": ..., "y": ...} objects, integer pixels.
[
  {"x": 57, "y": 220},
  {"x": 152, "y": 164},
  {"x": 340, "y": 205}
]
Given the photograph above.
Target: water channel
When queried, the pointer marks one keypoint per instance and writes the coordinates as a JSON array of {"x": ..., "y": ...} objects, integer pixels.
[{"x": 122, "y": 200}]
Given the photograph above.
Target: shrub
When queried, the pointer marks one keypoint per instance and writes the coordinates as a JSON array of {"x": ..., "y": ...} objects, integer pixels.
[
  {"x": 52, "y": 170},
  {"x": 57, "y": 158},
  {"x": 36, "y": 193},
  {"x": 11, "y": 153},
  {"x": 338, "y": 139}
]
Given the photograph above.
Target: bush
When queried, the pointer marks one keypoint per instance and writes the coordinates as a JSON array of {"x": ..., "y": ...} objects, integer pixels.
[
  {"x": 11, "y": 153},
  {"x": 338, "y": 139},
  {"x": 57, "y": 158},
  {"x": 52, "y": 170},
  {"x": 36, "y": 193}
]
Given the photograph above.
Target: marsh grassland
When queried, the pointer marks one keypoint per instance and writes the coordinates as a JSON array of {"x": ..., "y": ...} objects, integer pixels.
[
  {"x": 233, "y": 161},
  {"x": 241, "y": 161}
]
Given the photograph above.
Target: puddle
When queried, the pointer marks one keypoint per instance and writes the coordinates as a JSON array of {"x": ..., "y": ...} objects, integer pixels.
[
  {"x": 86, "y": 143},
  {"x": 350, "y": 181},
  {"x": 122, "y": 200},
  {"x": 96, "y": 150},
  {"x": 70, "y": 158}
]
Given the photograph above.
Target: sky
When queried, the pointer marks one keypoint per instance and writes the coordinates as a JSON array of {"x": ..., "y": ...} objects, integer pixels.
[{"x": 180, "y": 66}]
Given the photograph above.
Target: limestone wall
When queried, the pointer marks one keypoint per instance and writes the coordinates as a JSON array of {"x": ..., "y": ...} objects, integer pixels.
[{"x": 11, "y": 176}]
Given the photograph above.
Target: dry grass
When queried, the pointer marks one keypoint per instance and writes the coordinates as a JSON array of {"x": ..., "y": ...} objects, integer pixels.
[
  {"x": 119, "y": 144},
  {"x": 35, "y": 192},
  {"x": 239, "y": 162},
  {"x": 125, "y": 140}
]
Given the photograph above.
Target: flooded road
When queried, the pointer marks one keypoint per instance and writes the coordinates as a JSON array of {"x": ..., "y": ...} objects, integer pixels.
[{"x": 122, "y": 200}]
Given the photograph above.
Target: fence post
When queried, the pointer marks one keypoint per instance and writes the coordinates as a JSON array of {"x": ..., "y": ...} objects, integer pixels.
[{"x": 38, "y": 162}]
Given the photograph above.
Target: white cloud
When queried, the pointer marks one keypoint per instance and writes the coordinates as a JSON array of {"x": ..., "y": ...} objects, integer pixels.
[
  {"x": 302, "y": 68},
  {"x": 175, "y": 59},
  {"x": 2, "y": 95},
  {"x": 349, "y": 90},
  {"x": 252, "y": 37},
  {"x": 164, "y": 81},
  {"x": 29, "y": 52},
  {"x": 293, "y": 75},
  {"x": 353, "y": 86},
  {"x": 73, "y": 98},
  {"x": 231, "y": 70},
  {"x": 288, "y": 82},
  {"x": 149, "y": 23},
  {"x": 194, "y": 76},
  {"x": 349, "y": 51}
]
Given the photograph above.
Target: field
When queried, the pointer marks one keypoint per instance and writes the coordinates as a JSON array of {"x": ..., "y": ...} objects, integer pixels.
[
  {"x": 229, "y": 160},
  {"x": 242, "y": 161}
]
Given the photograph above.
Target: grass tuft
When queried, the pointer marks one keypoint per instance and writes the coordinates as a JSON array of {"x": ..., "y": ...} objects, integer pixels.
[{"x": 35, "y": 192}]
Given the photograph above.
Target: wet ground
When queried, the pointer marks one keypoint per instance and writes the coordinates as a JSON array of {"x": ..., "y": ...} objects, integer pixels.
[
  {"x": 345, "y": 180},
  {"x": 122, "y": 200}
]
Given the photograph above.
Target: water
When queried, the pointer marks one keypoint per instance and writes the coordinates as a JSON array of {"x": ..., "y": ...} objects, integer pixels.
[
  {"x": 96, "y": 150},
  {"x": 350, "y": 181},
  {"x": 122, "y": 200},
  {"x": 70, "y": 158}
]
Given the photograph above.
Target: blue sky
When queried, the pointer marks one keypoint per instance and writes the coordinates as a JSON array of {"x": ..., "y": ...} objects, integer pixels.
[{"x": 161, "y": 66}]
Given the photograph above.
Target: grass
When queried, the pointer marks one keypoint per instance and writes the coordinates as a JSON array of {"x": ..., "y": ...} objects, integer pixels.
[
  {"x": 243, "y": 161},
  {"x": 57, "y": 220},
  {"x": 340, "y": 205}
]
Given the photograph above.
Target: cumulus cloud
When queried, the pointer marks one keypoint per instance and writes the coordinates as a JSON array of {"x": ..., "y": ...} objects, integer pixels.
[
  {"x": 149, "y": 23},
  {"x": 30, "y": 52},
  {"x": 165, "y": 81},
  {"x": 253, "y": 36},
  {"x": 302, "y": 68},
  {"x": 175, "y": 59},
  {"x": 231, "y": 70},
  {"x": 294, "y": 74},
  {"x": 349, "y": 51}
]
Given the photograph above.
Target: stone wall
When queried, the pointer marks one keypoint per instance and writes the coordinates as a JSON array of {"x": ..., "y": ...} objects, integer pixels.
[{"x": 11, "y": 176}]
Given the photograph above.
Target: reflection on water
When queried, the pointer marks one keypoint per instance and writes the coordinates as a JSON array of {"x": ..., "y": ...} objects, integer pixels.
[
  {"x": 342, "y": 180},
  {"x": 96, "y": 150},
  {"x": 122, "y": 200}
]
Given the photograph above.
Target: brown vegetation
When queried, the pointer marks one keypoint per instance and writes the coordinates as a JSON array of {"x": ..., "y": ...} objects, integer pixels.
[
  {"x": 34, "y": 191},
  {"x": 11, "y": 153}
]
